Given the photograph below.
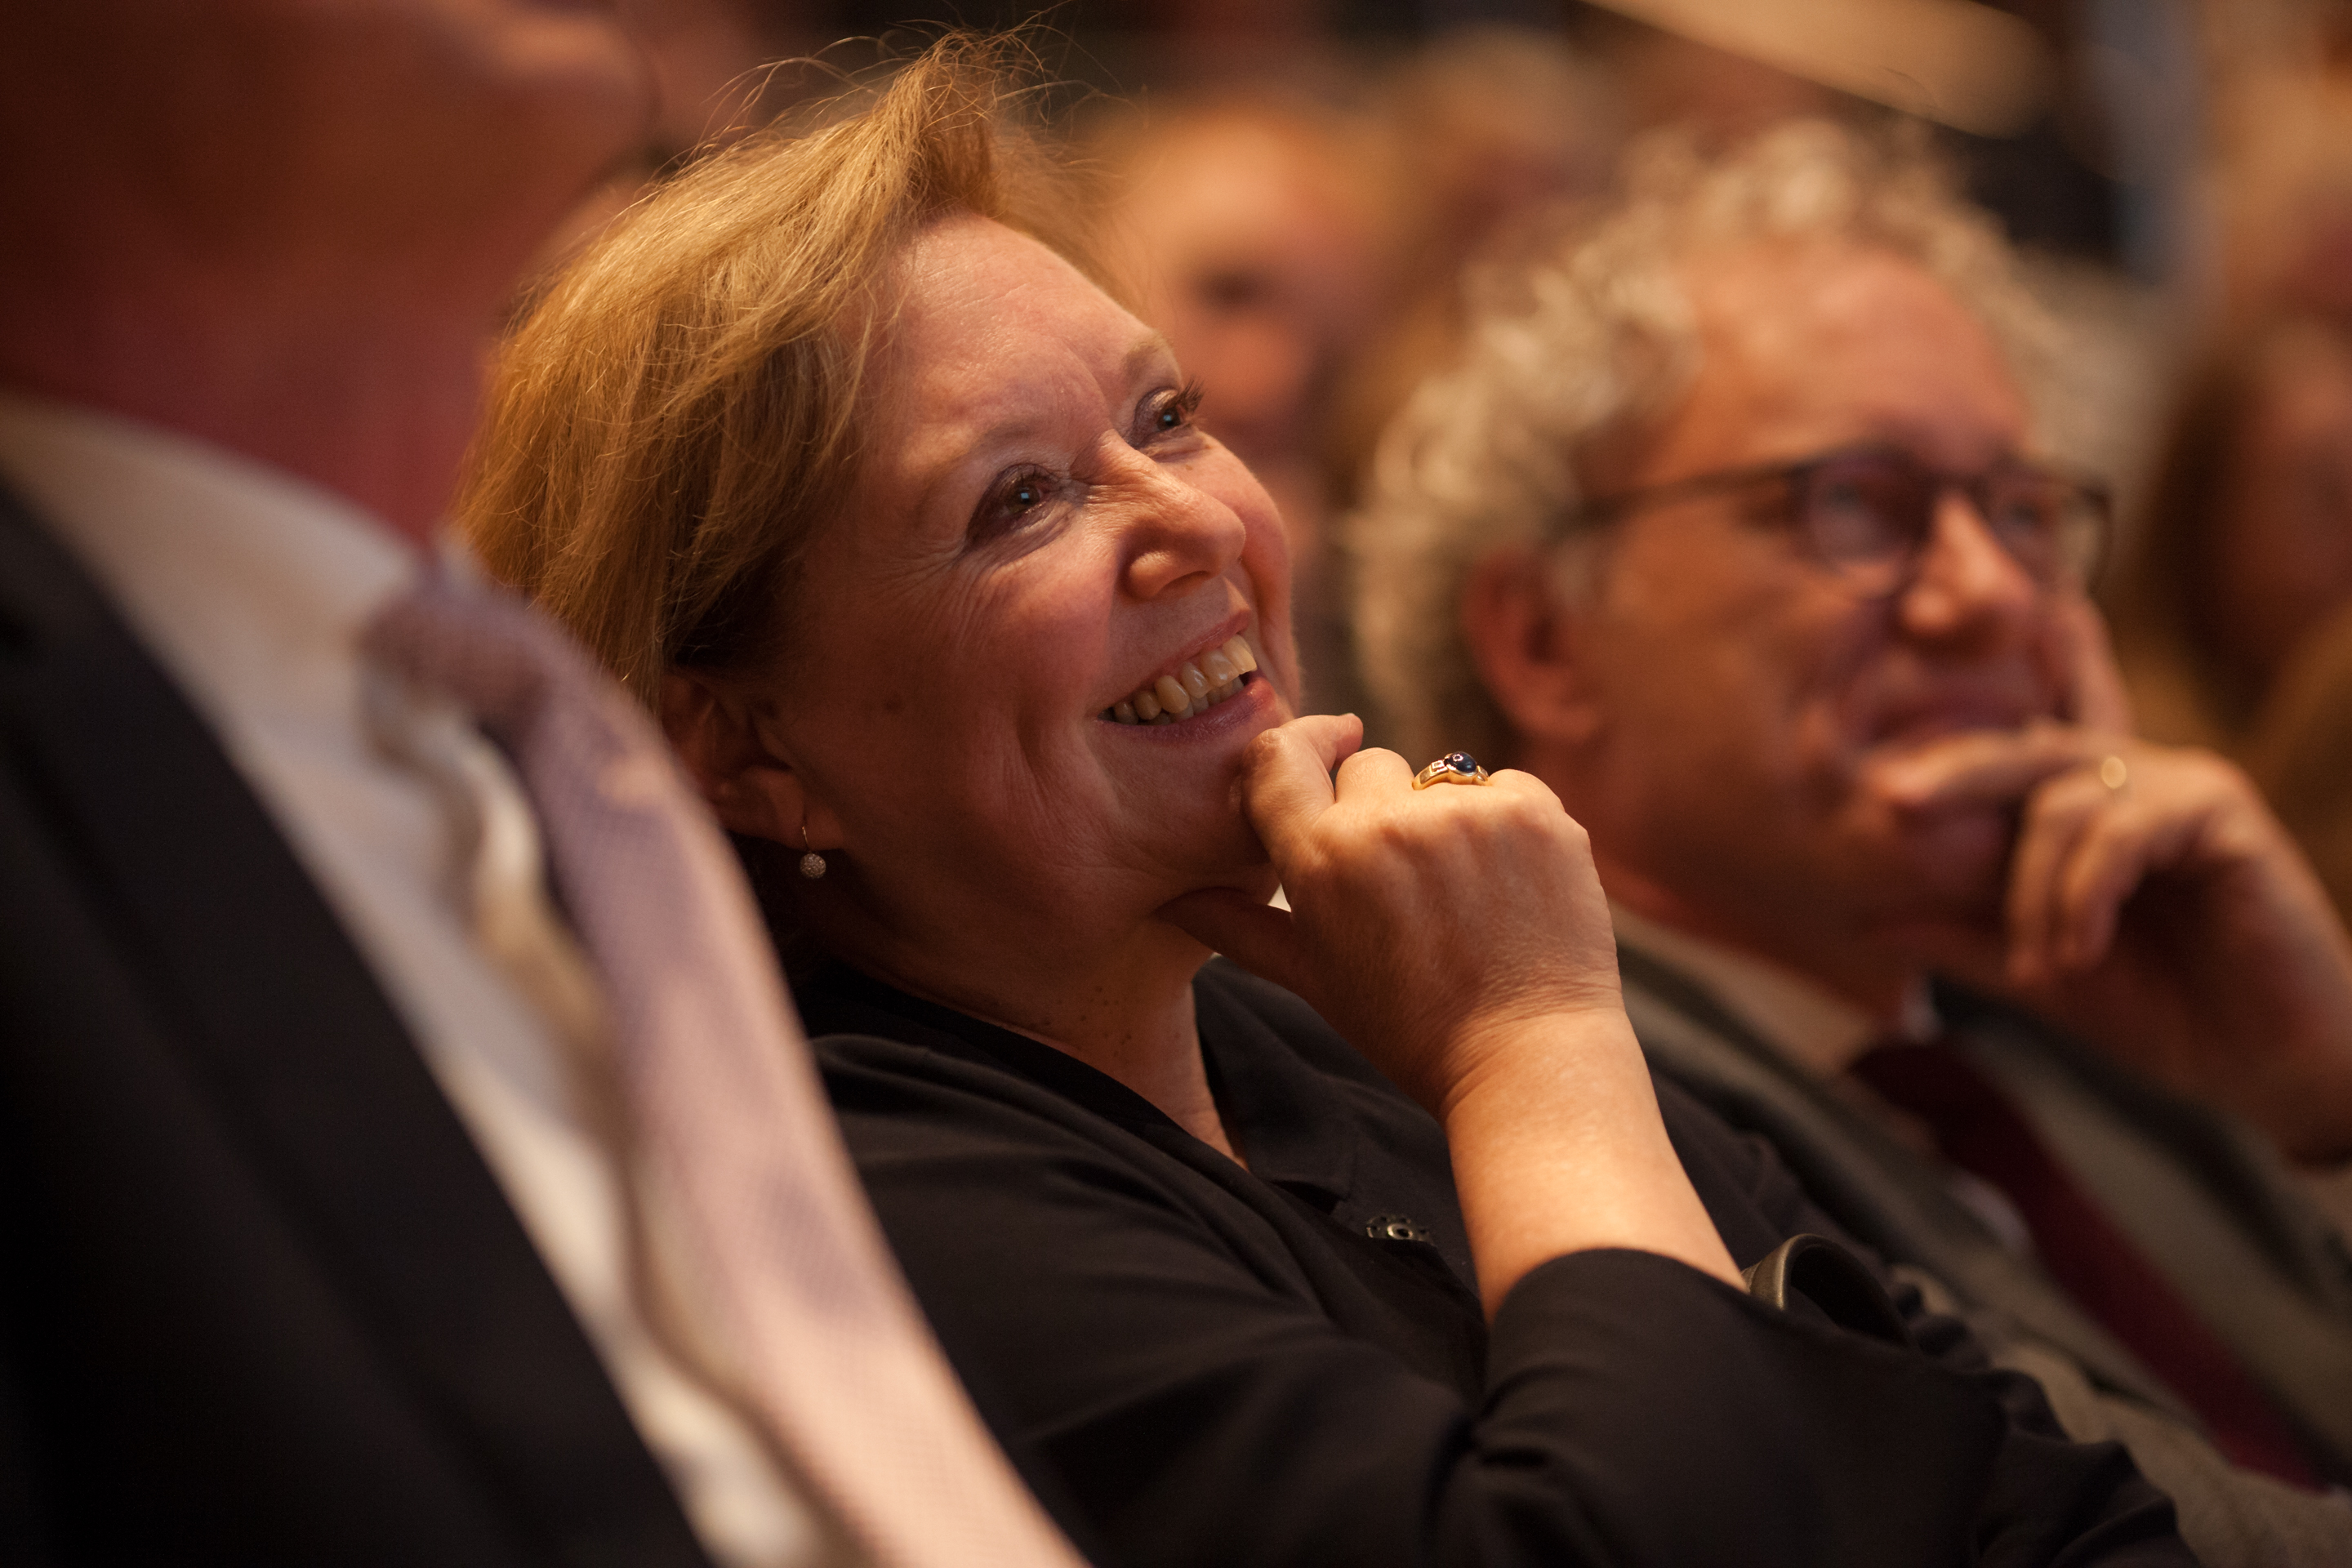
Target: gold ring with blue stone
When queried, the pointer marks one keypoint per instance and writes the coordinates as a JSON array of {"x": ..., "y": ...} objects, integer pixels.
[{"x": 1454, "y": 768}]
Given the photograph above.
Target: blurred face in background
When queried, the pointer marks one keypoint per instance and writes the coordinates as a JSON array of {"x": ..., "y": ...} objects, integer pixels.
[
  {"x": 1741, "y": 692},
  {"x": 1254, "y": 245},
  {"x": 2281, "y": 559}
]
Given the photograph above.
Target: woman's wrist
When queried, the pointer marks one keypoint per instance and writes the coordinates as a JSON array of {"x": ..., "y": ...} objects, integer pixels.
[
  {"x": 1496, "y": 1056},
  {"x": 1558, "y": 1147}
]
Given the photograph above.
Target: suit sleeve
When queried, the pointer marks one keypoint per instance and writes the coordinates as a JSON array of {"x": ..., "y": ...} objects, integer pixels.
[
  {"x": 1168, "y": 1357},
  {"x": 2049, "y": 1500}
]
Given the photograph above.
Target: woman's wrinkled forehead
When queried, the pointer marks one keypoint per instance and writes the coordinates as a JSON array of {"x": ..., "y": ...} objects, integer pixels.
[
  {"x": 993, "y": 336},
  {"x": 963, "y": 275}
]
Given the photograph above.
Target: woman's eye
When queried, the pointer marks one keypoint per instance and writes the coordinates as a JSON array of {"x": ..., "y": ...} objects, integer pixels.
[
  {"x": 1013, "y": 499},
  {"x": 1175, "y": 411}
]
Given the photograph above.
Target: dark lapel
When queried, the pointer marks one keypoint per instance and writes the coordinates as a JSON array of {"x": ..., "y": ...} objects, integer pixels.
[
  {"x": 1885, "y": 1194},
  {"x": 311, "y": 1068}
]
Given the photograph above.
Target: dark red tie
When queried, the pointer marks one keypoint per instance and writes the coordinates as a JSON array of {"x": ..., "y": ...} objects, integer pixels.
[{"x": 1981, "y": 1131}]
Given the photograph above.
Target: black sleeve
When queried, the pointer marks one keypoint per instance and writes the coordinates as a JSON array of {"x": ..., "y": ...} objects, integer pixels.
[
  {"x": 2049, "y": 1499},
  {"x": 1165, "y": 1351}
]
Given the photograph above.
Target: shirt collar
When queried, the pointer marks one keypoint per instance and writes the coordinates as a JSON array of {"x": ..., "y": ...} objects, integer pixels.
[
  {"x": 250, "y": 584},
  {"x": 1803, "y": 1020}
]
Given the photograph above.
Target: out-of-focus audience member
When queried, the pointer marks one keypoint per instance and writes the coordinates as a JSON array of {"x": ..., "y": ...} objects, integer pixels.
[
  {"x": 2234, "y": 615},
  {"x": 2277, "y": 188},
  {"x": 1256, "y": 231},
  {"x": 1495, "y": 132},
  {"x": 2245, "y": 552},
  {"x": 1734, "y": 528},
  {"x": 328, "y": 1149},
  {"x": 983, "y": 643}
]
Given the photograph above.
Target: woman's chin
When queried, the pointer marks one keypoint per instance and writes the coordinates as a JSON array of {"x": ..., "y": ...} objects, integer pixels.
[{"x": 1219, "y": 853}]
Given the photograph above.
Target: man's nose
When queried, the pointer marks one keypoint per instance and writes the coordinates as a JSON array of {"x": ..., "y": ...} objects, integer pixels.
[
  {"x": 1966, "y": 583},
  {"x": 1177, "y": 535}
]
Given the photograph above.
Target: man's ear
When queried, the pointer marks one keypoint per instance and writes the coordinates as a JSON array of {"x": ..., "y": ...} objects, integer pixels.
[
  {"x": 1525, "y": 641},
  {"x": 713, "y": 726}
]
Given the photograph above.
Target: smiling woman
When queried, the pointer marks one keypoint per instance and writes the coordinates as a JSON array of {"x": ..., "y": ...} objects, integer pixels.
[{"x": 914, "y": 537}]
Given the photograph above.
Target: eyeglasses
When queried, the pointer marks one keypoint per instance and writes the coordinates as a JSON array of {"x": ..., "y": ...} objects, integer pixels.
[{"x": 1867, "y": 512}]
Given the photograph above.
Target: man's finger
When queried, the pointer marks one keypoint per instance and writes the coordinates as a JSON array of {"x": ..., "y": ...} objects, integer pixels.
[
  {"x": 1258, "y": 937},
  {"x": 1985, "y": 767},
  {"x": 1286, "y": 780},
  {"x": 2054, "y": 821},
  {"x": 2098, "y": 701},
  {"x": 2103, "y": 871}
]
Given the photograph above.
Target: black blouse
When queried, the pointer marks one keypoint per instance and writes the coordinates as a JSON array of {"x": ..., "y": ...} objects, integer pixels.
[{"x": 1288, "y": 1364}]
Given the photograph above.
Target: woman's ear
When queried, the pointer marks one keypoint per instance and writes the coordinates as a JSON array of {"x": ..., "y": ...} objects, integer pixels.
[
  {"x": 1525, "y": 641},
  {"x": 717, "y": 734}
]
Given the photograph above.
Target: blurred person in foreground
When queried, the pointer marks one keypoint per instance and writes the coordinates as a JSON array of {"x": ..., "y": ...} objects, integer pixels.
[
  {"x": 981, "y": 646},
  {"x": 1734, "y": 528},
  {"x": 359, "y": 1206}
]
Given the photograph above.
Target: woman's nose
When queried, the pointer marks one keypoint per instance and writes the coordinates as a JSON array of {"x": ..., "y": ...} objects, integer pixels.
[
  {"x": 1178, "y": 535},
  {"x": 1967, "y": 584}
]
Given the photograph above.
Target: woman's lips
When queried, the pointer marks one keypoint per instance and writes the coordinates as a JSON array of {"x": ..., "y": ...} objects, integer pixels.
[
  {"x": 1195, "y": 686},
  {"x": 1255, "y": 705}
]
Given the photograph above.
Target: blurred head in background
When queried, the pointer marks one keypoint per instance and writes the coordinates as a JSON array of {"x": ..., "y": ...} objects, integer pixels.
[
  {"x": 1729, "y": 503},
  {"x": 2247, "y": 547},
  {"x": 1254, "y": 230}
]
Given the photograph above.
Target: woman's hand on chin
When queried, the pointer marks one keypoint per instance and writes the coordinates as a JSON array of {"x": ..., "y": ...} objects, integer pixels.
[
  {"x": 1422, "y": 920},
  {"x": 1458, "y": 936}
]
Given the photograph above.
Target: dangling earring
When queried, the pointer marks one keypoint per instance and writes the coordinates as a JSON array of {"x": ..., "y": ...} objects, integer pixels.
[{"x": 812, "y": 863}]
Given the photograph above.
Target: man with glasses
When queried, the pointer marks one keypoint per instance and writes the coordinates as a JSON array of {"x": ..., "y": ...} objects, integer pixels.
[{"x": 1736, "y": 525}]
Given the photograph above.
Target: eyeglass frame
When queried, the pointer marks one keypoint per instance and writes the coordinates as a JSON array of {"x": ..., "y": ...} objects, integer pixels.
[{"x": 1792, "y": 474}]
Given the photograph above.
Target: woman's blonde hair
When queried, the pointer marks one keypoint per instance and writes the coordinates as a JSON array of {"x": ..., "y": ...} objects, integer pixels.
[{"x": 680, "y": 413}]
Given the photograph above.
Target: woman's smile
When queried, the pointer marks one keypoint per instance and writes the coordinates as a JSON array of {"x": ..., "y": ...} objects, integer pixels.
[{"x": 1187, "y": 692}]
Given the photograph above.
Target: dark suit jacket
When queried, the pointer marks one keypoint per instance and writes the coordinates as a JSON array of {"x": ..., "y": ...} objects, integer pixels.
[
  {"x": 1897, "y": 1200},
  {"x": 262, "y": 1301}
]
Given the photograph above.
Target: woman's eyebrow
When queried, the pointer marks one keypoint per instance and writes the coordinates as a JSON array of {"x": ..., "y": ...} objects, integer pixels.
[{"x": 1150, "y": 347}]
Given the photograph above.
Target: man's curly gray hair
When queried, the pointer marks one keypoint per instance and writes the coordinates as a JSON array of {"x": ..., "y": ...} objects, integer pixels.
[{"x": 1597, "y": 338}]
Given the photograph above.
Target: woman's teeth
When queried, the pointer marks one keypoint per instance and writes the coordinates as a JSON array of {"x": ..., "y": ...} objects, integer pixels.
[{"x": 1195, "y": 687}]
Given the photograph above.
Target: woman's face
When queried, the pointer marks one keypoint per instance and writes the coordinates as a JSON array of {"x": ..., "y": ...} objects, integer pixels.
[{"x": 1039, "y": 534}]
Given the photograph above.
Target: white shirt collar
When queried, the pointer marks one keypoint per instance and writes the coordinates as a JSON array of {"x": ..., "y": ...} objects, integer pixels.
[{"x": 241, "y": 578}]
